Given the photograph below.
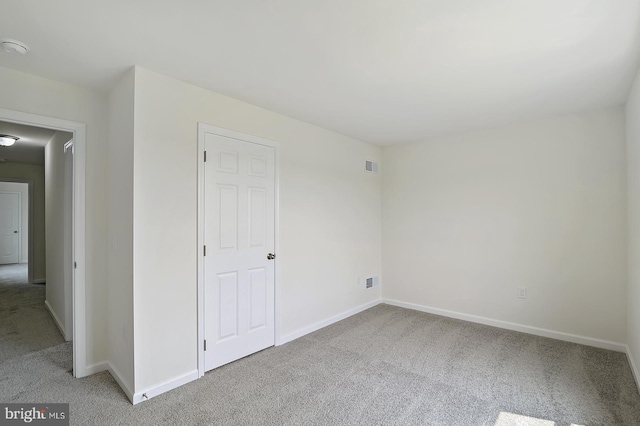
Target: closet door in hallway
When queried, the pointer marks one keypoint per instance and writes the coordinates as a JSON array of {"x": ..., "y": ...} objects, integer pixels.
[{"x": 9, "y": 227}]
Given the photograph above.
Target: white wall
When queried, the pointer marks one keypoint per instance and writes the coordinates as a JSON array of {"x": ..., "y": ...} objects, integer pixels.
[
  {"x": 330, "y": 221},
  {"x": 470, "y": 218},
  {"x": 58, "y": 297},
  {"x": 36, "y": 95},
  {"x": 23, "y": 189},
  {"x": 34, "y": 173},
  {"x": 633, "y": 187},
  {"x": 120, "y": 261}
]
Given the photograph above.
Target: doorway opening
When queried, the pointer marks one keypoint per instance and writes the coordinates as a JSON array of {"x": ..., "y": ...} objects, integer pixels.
[
  {"x": 27, "y": 324},
  {"x": 14, "y": 223},
  {"x": 61, "y": 214}
]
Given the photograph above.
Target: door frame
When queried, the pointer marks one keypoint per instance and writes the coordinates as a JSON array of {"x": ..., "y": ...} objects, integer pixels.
[
  {"x": 19, "y": 194},
  {"x": 207, "y": 128},
  {"x": 68, "y": 268},
  {"x": 78, "y": 228}
]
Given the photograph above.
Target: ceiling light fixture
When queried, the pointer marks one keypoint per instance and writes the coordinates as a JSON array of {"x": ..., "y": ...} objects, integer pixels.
[
  {"x": 14, "y": 46},
  {"x": 6, "y": 140}
]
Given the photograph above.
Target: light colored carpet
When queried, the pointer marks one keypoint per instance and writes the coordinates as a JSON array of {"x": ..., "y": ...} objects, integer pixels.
[
  {"x": 384, "y": 366},
  {"x": 25, "y": 323}
]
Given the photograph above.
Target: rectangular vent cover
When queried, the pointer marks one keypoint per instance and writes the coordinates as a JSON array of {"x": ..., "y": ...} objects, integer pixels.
[
  {"x": 371, "y": 167},
  {"x": 371, "y": 282}
]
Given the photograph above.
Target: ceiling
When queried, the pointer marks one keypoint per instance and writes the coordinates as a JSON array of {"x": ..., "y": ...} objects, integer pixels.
[
  {"x": 385, "y": 72},
  {"x": 30, "y": 147}
]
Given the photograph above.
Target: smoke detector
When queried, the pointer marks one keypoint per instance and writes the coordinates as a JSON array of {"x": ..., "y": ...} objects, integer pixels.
[{"x": 14, "y": 46}]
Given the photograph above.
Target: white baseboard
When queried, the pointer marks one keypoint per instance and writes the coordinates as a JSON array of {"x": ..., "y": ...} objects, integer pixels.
[
  {"x": 115, "y": 373},
  {"x": 573, "y": 338},
  {"x": 39, "y": 280},
  {"x": 321, "y": 324},
  {"x": 164, "y": 387},
  {"x": 634, "y": 369},
  {"x": 98, "y": 367},
  {"x": 56, "y": 320}
]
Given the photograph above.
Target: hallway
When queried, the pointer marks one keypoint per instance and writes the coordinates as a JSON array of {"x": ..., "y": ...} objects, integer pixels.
[{"x": 25, "y": 324}]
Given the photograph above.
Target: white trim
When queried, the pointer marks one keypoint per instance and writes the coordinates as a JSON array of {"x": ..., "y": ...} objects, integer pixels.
[
  {"x": 324, "y": 323},
  {"x": 68, "y": 269},
  {"x": 115, "y": 373},
  {"x": 97, "y": 367},
  {"x": 20, "y": 228},
  {"x": 39, "y": 280},
  {"x": 56, "y": 320},
  {"x": 207, "y": 128},
  {"x": 634, "y": 369},
  {"x": 31, "y": 266},
  {"x": 559, "y": 335},
  {"x": 277, "y": 300},
  {"x": 200, "y": 231},
  {"x": 149, "y": 393},
  {"x": 79, "y": 220},
  {"x": 78, "y": 253}
]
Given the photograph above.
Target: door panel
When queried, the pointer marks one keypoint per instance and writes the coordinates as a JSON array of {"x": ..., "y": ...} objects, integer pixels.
[
  {"x": 257, "y": 217},
  {"x": 258, "y": 298},
  {"x": 239, "y": 232},
  {"x": 9, "y": 228},
  {"x": 228, "y": 303},
  {"x": 228, "y": 217}
]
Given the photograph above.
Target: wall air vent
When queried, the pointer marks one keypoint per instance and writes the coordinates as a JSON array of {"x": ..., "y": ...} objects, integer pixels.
[
  {"x": 371, "y": 282},
  {"x": 371, "y": 166}
]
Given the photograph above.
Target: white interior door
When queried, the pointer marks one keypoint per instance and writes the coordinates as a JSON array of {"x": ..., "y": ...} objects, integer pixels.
[
  {"x": 239, "y": 235},
  {"x": 9, "y": 227}
]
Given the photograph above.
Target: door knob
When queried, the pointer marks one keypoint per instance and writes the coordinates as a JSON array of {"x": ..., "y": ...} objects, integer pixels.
[
  {"x": 271, "y": 256},
  {"x": 15, "y": 232}
]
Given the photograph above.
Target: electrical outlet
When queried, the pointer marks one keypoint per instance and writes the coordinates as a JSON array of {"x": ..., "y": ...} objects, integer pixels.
[{"x": 522, "y": 292}]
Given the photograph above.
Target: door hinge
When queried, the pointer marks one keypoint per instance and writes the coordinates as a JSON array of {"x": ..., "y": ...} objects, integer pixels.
[
  {"x": 75, "y": 265},
  {"x": 205, "y": 156},
  {"x": 204, "y": 251},
  {"x": 205, "y": 345}
]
